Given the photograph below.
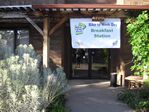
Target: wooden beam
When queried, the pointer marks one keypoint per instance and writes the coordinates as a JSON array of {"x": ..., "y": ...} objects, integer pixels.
[
  {"x": 58, "y": 25},
  {"x": 46, "y": 42},
  {"x": 34, "y": 25},
  {"x": 94, "y": 6}
]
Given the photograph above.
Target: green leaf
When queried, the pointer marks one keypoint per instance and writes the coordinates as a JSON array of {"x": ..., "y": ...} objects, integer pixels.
[{"x": 138, "y": 29}]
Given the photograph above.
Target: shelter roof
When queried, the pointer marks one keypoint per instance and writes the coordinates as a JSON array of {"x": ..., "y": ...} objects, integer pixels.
[{"x": 72, "y": 7}]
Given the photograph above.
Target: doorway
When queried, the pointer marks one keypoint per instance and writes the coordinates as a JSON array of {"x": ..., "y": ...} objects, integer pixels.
[{"x": 90, "y": 63}]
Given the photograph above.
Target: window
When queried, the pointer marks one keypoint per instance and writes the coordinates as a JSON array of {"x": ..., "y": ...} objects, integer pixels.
[
  {"x": 22, "y": 37},
  {"x": 10, "y": 39}
]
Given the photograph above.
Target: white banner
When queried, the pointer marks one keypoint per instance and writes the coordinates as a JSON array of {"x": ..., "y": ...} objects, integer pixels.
[{"x": 86, "y": 33}]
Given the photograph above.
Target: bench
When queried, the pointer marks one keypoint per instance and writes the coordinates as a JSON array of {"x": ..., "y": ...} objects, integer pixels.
[{"x": 134, "y": 81}]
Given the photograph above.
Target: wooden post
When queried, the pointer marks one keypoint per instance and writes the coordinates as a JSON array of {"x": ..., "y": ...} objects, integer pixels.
[{"x": 46, "y": 42}]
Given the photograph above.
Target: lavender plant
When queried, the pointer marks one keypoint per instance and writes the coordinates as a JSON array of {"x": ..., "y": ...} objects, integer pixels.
[
  {"x": 55, "y": 84},
  {"x": 20, "y": 80},
  {"x": 23, "y": 88}
]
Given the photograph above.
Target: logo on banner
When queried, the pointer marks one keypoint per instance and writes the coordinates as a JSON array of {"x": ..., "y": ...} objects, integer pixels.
[
  {"x": 115, "y": 43},
  {"x": 79, "y": 28}
]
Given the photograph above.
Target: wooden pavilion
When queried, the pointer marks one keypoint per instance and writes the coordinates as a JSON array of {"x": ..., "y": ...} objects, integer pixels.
[{"x": 49, "y": 30}]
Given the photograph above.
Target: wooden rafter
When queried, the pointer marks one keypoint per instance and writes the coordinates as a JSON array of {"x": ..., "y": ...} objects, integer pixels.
[
  {"x": 57, "y": 26},
  {"x": 34, "y": 25}
]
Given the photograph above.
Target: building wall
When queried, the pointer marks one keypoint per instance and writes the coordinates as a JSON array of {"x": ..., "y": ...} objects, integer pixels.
[
  {"x": 60, "y": 47},
  {"x": 26, "y": 2},
  {"x": 56, "y": 46},
  {"x": 133, "y": 2},
  {"x": 92, "y": 1},
  {"x": 56, "y": 43},
  {"x": 136, "y": 2},
  {"x": 146, "y": 2},
  {"x": 121, "y": 2},
  {"x": 119, "y": 59},
  {"x": 36, "y": 39},
  {"x": 60, "y": 51}
]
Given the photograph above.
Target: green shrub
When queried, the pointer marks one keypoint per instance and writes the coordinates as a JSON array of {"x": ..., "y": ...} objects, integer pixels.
[
  {"x": 146, "y": 83},
  {"x": 144, "y": 93},
  {"x": 143, "y": 106},
  {"x": 135, "y": 99},
  {"x": 59, "y": 104},
  {"x": 138, "y": 30},
  {"x": 129, "y": 98}
]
